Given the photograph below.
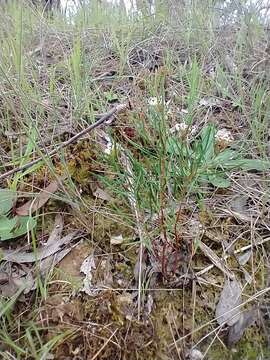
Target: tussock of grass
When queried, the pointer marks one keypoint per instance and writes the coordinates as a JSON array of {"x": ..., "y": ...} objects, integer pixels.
[{"x": 185, "y": 72}]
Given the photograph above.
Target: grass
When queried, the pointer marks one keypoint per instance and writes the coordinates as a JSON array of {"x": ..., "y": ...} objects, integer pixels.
[{"x": 169, "y": 176}]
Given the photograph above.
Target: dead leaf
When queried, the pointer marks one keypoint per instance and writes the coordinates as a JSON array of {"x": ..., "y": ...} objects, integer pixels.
[
  {"x": 102, "y": 194},
  {"x": 248, "y": 277},
  {"x": 239, "y": 204},
  {"x": 63, "y": 308},
  {"x": 245, "y": 320},
  {"x": 33, "y": 205},
  {"x": 230, "y": 298},
  {"x": 244, "y": 258},
  {"x": 219, "y": 263},
  {"x": 57, "y": 230},
  {"x": 71, "y": 264},
  {"x": 195, "y": 354},
  {"x": 210, "y": 102},
  {"x": 43, "y": 252},
  {"x": 17, "y": 283},
  {"x": 87, "y": 268},
  {"x": 117, "y": 239},
  {"x": 237, "y": 215},
  {"x": 49, "y": 262},
  {"x": 149, "y": 304}
]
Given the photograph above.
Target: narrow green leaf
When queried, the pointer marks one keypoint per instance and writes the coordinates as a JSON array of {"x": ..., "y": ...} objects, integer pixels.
[{"x": 208, "y": 142}]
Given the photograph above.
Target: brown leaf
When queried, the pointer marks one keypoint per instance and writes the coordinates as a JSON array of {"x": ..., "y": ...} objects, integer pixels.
[
  {"x": 230, "y": 298},
  {"x": 102, "y": 194},
  {"x": 43, "y": 252},
  {"x": 87, "y": 268},
  {"x": 39, "y": 201},
  {"x": 17, "y": 283},
  {"x": 244, "y": 258},
  {"x": 49, "y": 262},
  {"x": 57, "y": 230},
  {"x": 236, "y": 331}
]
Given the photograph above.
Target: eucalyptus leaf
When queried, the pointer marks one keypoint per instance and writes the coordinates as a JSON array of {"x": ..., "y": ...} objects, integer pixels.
[
  {"x": 227, "y": 308},
  {"x": 237, "y": 330},
  {"x": 7, "y": 198}
]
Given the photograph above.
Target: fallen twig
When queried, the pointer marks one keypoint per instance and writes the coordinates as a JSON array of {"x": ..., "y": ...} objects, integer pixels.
[
  {"x": 216, "y": 260},
  {"x": 244, "y": 248},
  {"x": 74, "y": 138}
]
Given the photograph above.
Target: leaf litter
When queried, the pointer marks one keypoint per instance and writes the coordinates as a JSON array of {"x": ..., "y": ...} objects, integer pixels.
[
  {"x": 87, "y": 268},
  {"x": 219, "y": 263},
  {"x": 23, "y": 277},
  {"x": 236, "y": 331},
  {"x": 49, "y": 262},
  {"x": 39, "y": 201},
  {"x": 227, "y": 310},
  {"x": 20, "y": 257}
]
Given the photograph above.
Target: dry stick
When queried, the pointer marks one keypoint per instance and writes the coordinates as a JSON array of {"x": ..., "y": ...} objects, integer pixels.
[
  {"x": 132, "y": 199},
  {"x": 104, "y": 345},
  {"x": 102, "y": 120},
  {"x": 244, "y": 248}
]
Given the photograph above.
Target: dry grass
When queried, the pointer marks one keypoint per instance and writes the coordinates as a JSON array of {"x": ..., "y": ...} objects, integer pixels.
[{"x": 164, "y": 187}]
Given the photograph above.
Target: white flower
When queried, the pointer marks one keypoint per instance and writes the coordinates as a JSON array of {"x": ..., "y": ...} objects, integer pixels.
[
  {"x": 224, "y": 136},
  {"x": 182, "y": 128},
  {"x": 153, "y": 101}
]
